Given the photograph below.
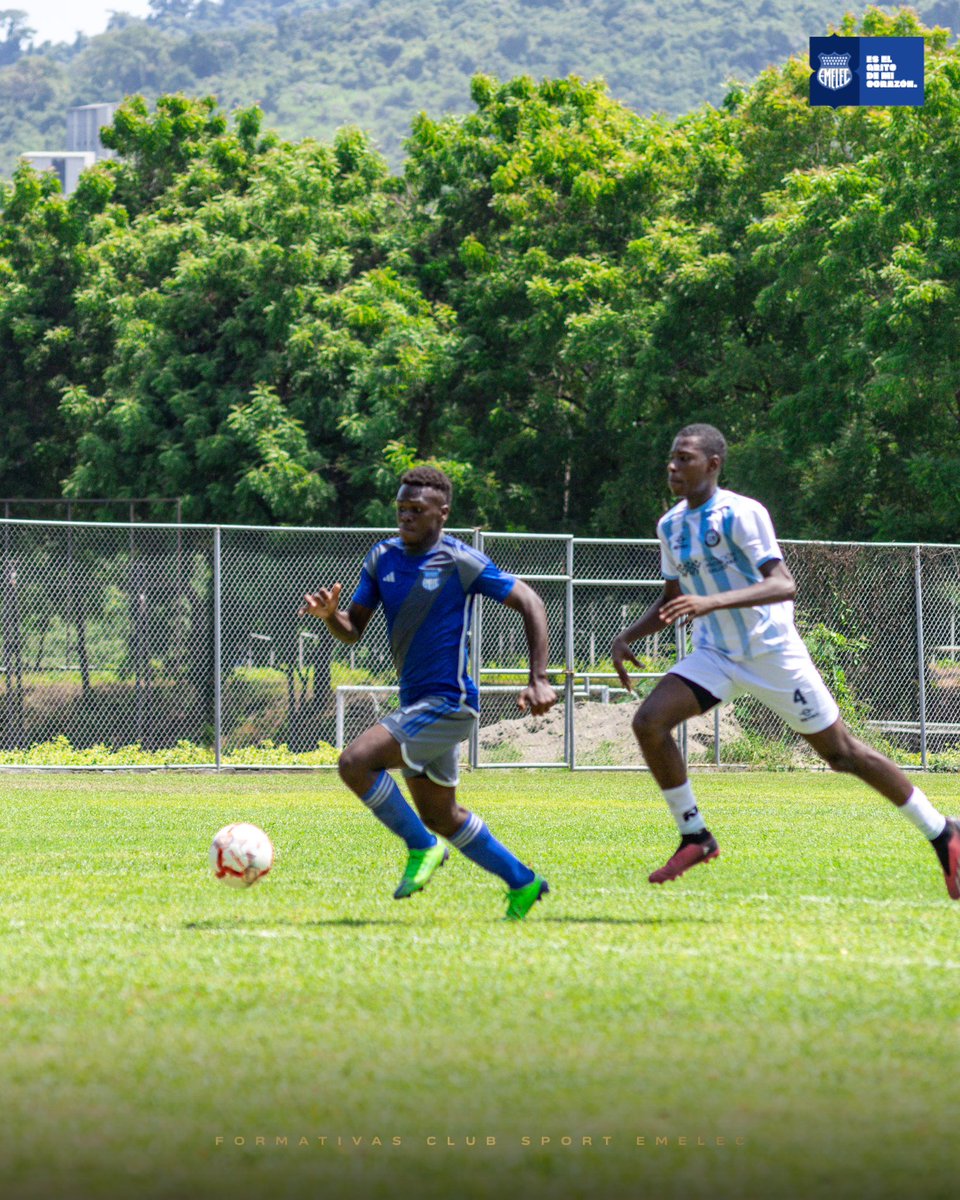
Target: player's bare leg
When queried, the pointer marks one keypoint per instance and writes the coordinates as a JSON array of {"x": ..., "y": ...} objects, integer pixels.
[
  {"x": 469, "y": 834},
  {"x": 843, "y": 752},
  {"x": 364, "y": 767},
  {"x": 437, "y": 805},
  {"x": 671, "y": 702},
  {"x": 375, "y": 750}
]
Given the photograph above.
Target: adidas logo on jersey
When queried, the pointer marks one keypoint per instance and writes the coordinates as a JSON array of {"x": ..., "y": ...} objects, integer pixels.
[{"x": 391, "y": 578}]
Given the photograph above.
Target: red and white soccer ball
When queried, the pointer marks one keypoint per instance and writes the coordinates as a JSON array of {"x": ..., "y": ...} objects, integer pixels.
[{"x": 241, "y": 854}]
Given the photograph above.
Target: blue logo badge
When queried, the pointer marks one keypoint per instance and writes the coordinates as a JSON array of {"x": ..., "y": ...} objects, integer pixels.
[
  {"x": 430, "y": 578},
  {"x": 878, "y": 71},
  {"x": 834, "y": 72}
]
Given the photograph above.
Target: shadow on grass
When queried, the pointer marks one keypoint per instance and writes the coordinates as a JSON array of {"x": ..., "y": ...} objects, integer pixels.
[
  {"x": 349, "y": 922},
  {"x": 361, "y": 922},
  {"x": 678, "y": 920}
]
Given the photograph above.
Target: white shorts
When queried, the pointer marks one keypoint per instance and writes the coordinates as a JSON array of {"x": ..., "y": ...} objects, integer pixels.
[{"x": 786, "y": 681}]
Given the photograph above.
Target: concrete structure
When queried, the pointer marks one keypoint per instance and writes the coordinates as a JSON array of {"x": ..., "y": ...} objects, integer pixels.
[
  {"x": 67, "y": 164},
  {"x": 83, "y": 128},
  {"x": 83, "y": 145}
]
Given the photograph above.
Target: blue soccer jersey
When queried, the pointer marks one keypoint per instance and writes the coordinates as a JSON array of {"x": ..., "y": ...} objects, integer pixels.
[{"x": 427, "y": 600}]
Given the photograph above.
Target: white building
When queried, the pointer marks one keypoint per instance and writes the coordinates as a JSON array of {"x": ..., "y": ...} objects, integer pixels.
[
  {"x": 83, "y": 145},
  {"x": 66, "y": 164},
  {"x": 83, "y": 128}
]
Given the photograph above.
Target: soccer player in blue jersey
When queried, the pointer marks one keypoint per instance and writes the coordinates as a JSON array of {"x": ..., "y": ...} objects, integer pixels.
[
  {"x": 426, "y": 580},
  {"x": 724, "y": 570}
]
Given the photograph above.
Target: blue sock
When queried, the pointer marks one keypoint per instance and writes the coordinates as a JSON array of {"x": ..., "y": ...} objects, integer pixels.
[
  {"x": 386, "y": 802},
  {"x": 476, "y": 841}
]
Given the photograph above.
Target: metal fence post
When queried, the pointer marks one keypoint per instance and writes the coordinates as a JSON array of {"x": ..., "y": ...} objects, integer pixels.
[
  {"x": 680, "y": 633},
  {"x": 340, "y": 710},
  {"x": 476, "y": 633},
  {"x": 569, "y": 738},
  {"x": 716, "y": 736},
  {"x": 921, "y": 656},
  {"x": 217, "y": 681}
]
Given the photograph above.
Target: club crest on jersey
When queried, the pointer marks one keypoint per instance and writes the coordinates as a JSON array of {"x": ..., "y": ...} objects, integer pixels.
[
  {"x": 430, "y": 578},
  {"x": 711, "y": 538}
]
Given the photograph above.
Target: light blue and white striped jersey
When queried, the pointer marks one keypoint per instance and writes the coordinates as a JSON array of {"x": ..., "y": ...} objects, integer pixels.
[{"x": 720, "y": 547}]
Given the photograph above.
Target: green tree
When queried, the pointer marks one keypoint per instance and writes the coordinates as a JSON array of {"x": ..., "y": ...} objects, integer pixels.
[
  {"x": 549, "y": 291},
  {"x": 524, "y": 211},
  {"x": 45, "y": 246},
  {"x": 262, "y": 357},
  {"x": 863, "y": 310}
]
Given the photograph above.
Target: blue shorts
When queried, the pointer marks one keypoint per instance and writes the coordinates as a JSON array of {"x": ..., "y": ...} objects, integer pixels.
[{"x": 430, "y": 733}]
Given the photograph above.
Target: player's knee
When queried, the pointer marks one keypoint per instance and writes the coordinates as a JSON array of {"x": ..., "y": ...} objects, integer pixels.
[
  {"x": 648, "y": 724},
  {"x": 350, "y": 765},
  {"x": 846, "y": 758}
]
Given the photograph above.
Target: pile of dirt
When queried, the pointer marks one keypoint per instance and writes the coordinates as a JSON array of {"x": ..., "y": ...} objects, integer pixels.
[{"x": 602, "y": 734}]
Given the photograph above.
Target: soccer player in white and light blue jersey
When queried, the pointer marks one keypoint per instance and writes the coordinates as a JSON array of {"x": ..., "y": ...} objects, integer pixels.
[
  {"x": 723, "y": 569},
  {"x": 426, "y": 581}
]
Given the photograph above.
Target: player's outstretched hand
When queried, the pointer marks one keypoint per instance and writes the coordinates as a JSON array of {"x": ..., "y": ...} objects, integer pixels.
[
  {"x": 322, "y": 603},
  {"x": 537, "y": 698},
  {"x": 620, "y": 652}
]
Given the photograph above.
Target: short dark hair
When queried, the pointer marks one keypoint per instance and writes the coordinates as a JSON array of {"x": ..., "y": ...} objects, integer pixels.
[
  {"x": 710, "y": 438},
  {"x": 429, "y": 477}
]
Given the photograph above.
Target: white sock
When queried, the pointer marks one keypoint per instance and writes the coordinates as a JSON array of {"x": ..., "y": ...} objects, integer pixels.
[
  {"x": 683, "y": 805},
  {"x": 921, "y": 812}
]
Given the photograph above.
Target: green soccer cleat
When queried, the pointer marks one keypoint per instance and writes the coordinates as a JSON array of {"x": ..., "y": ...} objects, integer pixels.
[
  {"x": 420, "y": 868},
  {"x": 521, "y": 900}
]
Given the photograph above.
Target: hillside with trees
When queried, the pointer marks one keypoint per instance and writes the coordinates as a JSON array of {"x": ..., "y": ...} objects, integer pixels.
[
  {"x": 314, "y": 66},
  {"x": 272, "y": 329}
]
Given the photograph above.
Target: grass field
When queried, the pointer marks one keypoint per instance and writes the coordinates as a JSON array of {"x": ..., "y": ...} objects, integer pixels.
[{"x": 796, "y": 1000}]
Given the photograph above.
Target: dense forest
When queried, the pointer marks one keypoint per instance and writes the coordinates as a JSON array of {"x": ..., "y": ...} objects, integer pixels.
[
  {"x": 272, "y": 329},
  {"x": 314, "y": 66}
]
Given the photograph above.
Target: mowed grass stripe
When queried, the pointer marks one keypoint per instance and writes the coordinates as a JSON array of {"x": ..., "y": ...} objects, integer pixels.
[{"x": 798, "y": 994}]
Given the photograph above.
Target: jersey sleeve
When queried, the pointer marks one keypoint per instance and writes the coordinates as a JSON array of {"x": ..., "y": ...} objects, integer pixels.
[
  {"x": 668, "y": 564},
  {"x": 368, "y": 589},
  {"x": 493, "y": 582},
  {"x": 754, "y": 534}
]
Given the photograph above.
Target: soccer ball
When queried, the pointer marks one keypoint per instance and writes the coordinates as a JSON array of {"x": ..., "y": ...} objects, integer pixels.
[{"x": 241, "y": 854}]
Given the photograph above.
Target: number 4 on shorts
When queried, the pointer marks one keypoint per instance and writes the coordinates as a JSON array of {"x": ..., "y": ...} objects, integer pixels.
[{"x": 798, "y": 697}]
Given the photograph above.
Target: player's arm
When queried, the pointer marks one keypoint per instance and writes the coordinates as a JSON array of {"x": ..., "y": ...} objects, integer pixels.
[
  {"x": 345, "y": 626},
  {"x": 538, "y": 695},
  {"x": 777, "y": 584},
  {"x": 651, "y": 621}
]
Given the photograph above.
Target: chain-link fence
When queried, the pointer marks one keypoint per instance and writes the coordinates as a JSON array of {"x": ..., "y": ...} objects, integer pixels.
[{"x": 184, "y": 642}]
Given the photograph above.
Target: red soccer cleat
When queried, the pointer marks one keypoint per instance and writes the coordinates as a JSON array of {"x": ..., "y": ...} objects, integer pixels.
[
  {"x": 696, "y": 848},
  {"x": 947, "y": 846}
]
